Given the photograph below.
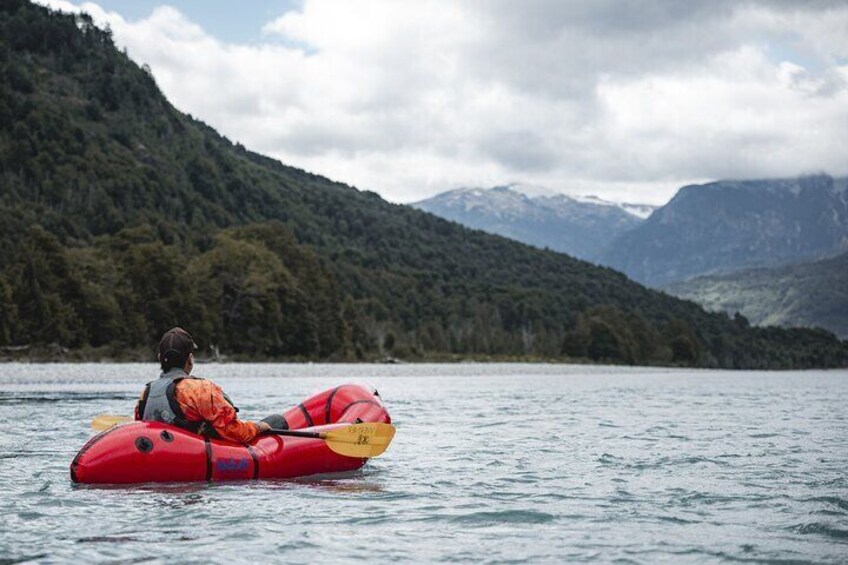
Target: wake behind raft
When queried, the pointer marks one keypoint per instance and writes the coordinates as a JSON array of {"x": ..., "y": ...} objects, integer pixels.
[{"x": 144, "y": 452}]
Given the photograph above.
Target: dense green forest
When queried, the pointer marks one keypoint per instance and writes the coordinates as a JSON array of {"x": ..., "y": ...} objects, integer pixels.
[
  {"x": 121, "y": 217},
  {"x": 812, "y": 293}
]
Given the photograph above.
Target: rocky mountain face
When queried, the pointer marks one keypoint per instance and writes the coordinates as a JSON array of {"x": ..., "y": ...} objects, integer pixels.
[
  {"x": 808, "y": 294},
  {"x": 581, "y": 227},
  {"x": 728, "y": 225}
]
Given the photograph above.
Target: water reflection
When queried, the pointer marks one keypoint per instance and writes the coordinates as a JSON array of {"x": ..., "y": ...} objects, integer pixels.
[
  {"x": 24, "y": 398},
  {"x": 193, "y": 493},
  {"x": 153, "y": 488},
  {"x": 339, "y": 486}
]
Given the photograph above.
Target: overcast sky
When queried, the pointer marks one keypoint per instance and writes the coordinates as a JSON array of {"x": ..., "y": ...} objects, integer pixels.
[{"x": 628, "y": 100}]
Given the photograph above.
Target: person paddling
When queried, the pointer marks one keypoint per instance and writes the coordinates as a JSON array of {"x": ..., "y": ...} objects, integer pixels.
[{"x": 195, "y": 404}]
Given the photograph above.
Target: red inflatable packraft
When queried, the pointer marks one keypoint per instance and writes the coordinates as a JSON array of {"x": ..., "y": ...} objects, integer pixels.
[{"x": 143, "y": 452}]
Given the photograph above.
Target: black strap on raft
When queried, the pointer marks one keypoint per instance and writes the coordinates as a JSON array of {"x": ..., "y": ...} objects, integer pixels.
[
  {"x": 253, "y": 456},
  {"x": 306, "y": 415},
  {"x": 209, "y": 464},
  {"x": 329, "y": 405}
]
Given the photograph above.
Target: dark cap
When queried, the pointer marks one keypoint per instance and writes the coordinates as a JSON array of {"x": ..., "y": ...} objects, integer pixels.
[{"x": 175, "y": 347}]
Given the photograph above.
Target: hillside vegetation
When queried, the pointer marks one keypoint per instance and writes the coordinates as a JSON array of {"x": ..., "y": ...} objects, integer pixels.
[
  {"x": 121, "y": 217},
  {"x": 813, "y": 294}
]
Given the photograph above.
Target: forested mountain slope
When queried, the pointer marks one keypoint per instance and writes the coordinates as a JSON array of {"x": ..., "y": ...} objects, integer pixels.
[
  {"x": 120, "y": 217},
  {"x": 810, "y": 294}
]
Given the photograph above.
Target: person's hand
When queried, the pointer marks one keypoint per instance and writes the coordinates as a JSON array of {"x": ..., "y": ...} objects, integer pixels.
[{"x": 263, "y": 427}]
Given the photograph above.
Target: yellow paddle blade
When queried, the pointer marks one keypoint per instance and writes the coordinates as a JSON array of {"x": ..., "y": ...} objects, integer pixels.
[
  {"x": 360, "y": 440},
  {"x": 106, "y": 421}
]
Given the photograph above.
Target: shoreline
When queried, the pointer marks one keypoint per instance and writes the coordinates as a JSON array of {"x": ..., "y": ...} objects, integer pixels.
[{"x": 55, "y": 354}]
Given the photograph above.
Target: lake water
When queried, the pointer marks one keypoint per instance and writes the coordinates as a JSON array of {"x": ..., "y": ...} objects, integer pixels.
[{"x": 491, "y": 463}]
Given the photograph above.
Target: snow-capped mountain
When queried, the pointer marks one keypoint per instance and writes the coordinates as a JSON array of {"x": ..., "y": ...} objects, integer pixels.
[
  {"x": 581, "y": 227},
  {"x": 723, "y": 226},
  {"x": 638, "y": 210}
]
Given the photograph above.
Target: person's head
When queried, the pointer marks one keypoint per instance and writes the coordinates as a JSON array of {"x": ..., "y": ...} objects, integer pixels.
[{"x": 176, "y": 349}]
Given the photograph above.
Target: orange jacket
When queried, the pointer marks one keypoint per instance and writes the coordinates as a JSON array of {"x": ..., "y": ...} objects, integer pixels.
[{"x": 202, "y": 400}]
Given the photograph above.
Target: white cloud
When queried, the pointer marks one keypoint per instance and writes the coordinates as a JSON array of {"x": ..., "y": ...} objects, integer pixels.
[
  {"x": 625, "y": 100},
  {"x": 744, "y": 117}
]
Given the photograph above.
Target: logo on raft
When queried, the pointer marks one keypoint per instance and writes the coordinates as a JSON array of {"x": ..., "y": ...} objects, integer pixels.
[{"x": 232, "y": 465}]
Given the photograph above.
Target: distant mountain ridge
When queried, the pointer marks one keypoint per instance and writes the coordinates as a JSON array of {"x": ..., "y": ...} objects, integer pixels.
[
  {"x": 809, "y": 294},
  {"x": 579, "y": 226},
  {"x": 729, "y": 225}
]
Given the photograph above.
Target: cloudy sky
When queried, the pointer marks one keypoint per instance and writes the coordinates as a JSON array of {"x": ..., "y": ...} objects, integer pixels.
[{"x": 628, "y": 100}]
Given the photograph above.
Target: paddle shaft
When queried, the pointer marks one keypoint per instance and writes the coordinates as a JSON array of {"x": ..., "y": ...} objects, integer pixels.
[
  {"x": 104, "y": 421},
  {"x": 297, "y": 433}
]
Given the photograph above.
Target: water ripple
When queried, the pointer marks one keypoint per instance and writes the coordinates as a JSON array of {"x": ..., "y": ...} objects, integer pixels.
[
  {"x": 823, "y": 529},
  {"x": 505, "y": 516}
]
